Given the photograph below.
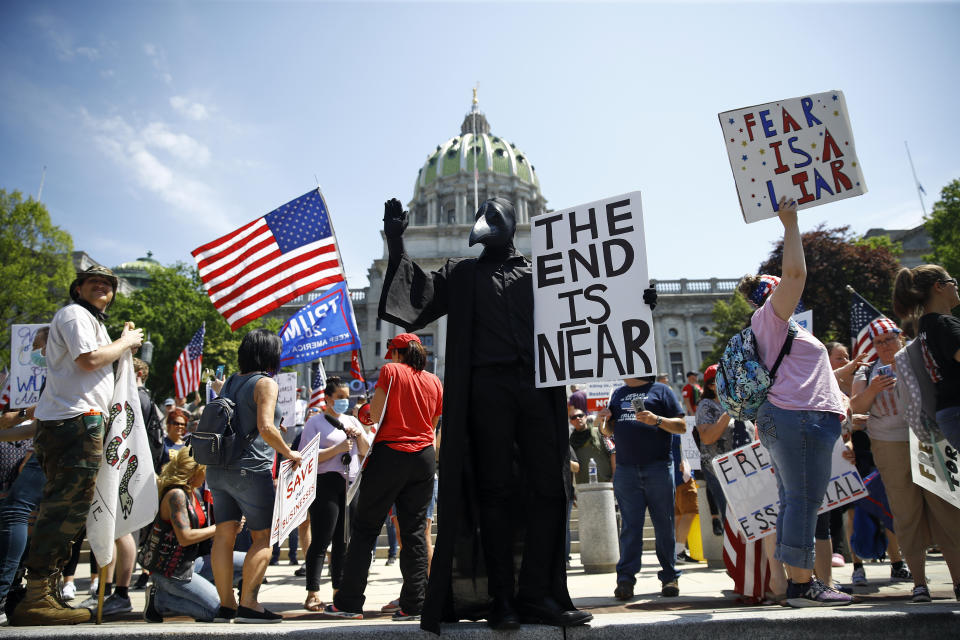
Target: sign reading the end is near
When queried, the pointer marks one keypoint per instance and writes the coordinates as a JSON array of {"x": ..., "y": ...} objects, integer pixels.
[
  {"x": 589, "y": 273},
  {"x": 801, "y": 149}
]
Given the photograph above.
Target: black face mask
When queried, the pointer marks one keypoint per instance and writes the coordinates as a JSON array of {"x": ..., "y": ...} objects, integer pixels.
[{"x": 99, "y": 315}]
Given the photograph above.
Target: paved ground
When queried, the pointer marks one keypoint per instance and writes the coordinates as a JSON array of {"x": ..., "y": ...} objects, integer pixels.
[{"x": 705, "y": 609}]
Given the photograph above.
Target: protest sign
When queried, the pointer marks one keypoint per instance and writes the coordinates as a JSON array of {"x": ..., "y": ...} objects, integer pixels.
[
  {"x": 804, "y": 319},
  {"x": 589, "y": 273},
  {"x": 599, "y": 392},
  {"x": 934, "y": 467},
  {"x": 801, "y": 148},
  {"x": 287, "y": 398},
  {"x": 747, "y": 477},
  {"x": 322, "y": 328},
  {"x": 26, "y": 376},
  {"x": 691, "y": 453},
  {"x": 296, "y": 490}
]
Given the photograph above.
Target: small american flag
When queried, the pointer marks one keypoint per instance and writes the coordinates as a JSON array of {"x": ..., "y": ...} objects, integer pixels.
[
  {"x": 862, "y": 314},
  {"x": 288, "y": 252},
  {"x": 186, "y": 371},
  {"x": 317, "y": 383},
  {"x": 746, "y": 563},
  {"x": 355, "y": 370}
]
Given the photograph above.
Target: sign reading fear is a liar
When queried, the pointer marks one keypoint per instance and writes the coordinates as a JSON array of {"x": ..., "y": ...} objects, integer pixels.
[
  {"x": 800, "y": 149},
  {"x": 589, "y": 273}
]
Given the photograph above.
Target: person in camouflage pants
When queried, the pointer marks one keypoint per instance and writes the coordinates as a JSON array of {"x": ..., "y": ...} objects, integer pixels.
[{"x": 69, "y": 440}]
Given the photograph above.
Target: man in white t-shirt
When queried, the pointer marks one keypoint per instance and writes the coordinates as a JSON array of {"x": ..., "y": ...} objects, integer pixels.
[{"x": 69, "y": 441}]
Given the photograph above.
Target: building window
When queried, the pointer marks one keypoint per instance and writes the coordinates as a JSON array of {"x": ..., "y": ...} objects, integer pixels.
[
  {"x": 376, "y": 349},
  {"x": 676, "y": 366},
  {"x": 378, "y": 324},
  {"x": 673, "y": 333},
  {"x": 451, "y": 216},
  {"x": 704, "y": 331},
  {"x": 420, "y": 217},
  {"x": 346, "y": 366}
]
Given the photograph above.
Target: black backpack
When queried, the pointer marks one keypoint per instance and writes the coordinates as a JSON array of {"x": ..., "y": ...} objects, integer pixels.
[
  {"x": 218, "y": 440},
  {"x": 153, "y": 424}
]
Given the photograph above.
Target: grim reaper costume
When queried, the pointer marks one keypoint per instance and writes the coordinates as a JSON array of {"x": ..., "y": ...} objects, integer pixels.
[{"x": 492, "y": 416}]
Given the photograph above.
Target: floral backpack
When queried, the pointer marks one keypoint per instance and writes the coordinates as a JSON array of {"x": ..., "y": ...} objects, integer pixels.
[{"x": 742, "y": 379}]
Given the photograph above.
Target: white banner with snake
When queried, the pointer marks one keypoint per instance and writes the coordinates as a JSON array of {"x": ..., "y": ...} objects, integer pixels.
[{"x": 125, "y": 499}]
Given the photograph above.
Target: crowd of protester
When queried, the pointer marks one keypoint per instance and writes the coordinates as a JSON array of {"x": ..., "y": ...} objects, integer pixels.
[{"x": 211, "y": 532}]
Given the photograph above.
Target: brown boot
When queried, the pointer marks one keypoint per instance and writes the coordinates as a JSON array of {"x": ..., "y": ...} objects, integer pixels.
[{"x": 41, "y": 607}]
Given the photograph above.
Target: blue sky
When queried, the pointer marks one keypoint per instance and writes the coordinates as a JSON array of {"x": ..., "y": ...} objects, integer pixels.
[{"x": 166, "y": 124}]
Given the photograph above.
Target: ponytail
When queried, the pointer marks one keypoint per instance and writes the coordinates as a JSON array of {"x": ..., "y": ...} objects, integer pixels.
[{"x": 911, "y": 290}]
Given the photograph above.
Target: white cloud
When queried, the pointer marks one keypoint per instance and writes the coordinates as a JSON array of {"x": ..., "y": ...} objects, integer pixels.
[
  {"x": 133, "y": 149},
  {"x": 192, "y": 110},
  {"x": 62, "y": 41},
  {"x": 180, "y": 145},
  {"x": 159, "y": 59}
]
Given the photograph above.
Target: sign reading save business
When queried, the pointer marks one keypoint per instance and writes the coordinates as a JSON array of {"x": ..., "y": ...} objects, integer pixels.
[{"x": 322, "y": 328}]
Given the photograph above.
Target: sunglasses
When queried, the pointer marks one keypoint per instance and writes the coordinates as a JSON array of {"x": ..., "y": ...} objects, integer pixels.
[
  {"x": 178, "y": 424},
  {"x": 577, "y": 416},
  {"x": 952, "y": 281}
]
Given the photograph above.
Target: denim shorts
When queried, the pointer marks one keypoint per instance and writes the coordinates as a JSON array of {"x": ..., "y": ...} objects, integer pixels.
[{"x": 241, "y": 492}]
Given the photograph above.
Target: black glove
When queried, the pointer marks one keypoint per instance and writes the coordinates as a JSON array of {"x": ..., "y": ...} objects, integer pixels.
[
  {"x": 395, "y": 219},
  {"x": 650, "y": 296}
]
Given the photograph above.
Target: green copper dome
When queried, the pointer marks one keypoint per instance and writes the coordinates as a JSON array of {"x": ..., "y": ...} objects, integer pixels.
[{"x": 493, "y": 155}]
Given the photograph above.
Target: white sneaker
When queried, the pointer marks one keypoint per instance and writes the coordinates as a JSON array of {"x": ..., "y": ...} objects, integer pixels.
[
  {"x": 94, "y": 585},
  {"x": 69, "y": 591}
]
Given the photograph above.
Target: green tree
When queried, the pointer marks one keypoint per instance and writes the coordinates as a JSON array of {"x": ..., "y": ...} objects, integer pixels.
[
  {"x": 834, "y": 260},
  {"x": 877, "y": 242},
  {"x": 170, "y": 310},
  {"x": 36, "y": 268},
  {"x": 943, "y": 225},
  {"x": 729, "y": 318}
]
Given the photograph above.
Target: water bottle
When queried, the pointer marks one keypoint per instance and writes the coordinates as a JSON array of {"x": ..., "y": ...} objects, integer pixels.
[{"x": 593, "y": 471}]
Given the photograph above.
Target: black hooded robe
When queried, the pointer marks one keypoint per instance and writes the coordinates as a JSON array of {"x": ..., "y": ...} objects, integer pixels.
[{"x": 412, "y": 299}]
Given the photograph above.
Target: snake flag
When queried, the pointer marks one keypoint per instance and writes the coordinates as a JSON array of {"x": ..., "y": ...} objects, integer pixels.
[{"x": 125, "y": 499}]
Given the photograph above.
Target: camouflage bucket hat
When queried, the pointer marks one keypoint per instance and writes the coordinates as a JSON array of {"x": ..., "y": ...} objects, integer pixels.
[{"x": 90, "y": 272}]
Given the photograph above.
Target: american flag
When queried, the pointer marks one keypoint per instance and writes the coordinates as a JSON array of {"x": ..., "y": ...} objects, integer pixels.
[
  {"x": 318, "y": 380},
  {"x": 186, "y": 371},
  {"x": 746, "y": 563},
  {"x": 355, "y": 370},
  {"x": 272, "y": 260},
  {"x": 862, "y": 313}
]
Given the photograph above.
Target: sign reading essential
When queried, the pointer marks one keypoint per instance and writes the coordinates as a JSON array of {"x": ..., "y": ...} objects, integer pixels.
[
  {"x": 801, "y": 149},
  {"x": 589, "y": 273}
]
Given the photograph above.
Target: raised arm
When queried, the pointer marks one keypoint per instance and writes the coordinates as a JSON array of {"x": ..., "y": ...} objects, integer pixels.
[{"x": 794, "y": 269}]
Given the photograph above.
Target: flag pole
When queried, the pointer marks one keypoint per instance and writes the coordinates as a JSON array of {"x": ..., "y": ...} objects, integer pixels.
[
  {"x": 920, "y": 190},
  {"x": 476, "y": 169},
  {"x": 343, "y": 266}
]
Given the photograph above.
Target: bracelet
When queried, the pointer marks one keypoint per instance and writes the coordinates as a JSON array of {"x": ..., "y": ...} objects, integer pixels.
[{"x": 659, "y": 421}]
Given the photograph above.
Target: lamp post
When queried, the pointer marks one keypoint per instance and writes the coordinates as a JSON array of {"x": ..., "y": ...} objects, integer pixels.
[{"x": 146, "y": 350}]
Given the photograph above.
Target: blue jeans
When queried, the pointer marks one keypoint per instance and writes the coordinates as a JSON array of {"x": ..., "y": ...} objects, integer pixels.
[
  {"x": 636, "y": 488},
  {"x": 197, "y": 598},
  {"x": 204, "y": 567},
  {"x": 949, "y": 421},
  {"x": 800, "y": 445},
  {"x": 15, "y": 513}
]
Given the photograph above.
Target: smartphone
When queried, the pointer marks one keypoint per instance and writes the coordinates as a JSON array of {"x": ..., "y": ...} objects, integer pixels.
[
  {"x": 886, "y": 370},
  {"x": 638, "y": 404},
  {"x": 219, "y": 374}
]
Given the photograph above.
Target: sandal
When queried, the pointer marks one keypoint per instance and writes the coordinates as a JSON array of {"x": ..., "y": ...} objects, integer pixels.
[{"x": 313, "y": 603}]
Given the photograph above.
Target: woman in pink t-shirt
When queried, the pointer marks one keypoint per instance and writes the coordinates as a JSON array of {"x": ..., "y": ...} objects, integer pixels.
[{"x": 800, "y": 421}]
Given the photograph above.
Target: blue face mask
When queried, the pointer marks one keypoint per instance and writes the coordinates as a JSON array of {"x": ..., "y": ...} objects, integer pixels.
[
  {"x": 37, "y": 358},
  {"x": 340, "y": 405}
]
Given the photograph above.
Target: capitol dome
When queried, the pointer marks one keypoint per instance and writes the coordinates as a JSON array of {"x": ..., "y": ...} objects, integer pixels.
[
  {"x": 443, "y": 194},
  {"x": 137, "y": 272}
]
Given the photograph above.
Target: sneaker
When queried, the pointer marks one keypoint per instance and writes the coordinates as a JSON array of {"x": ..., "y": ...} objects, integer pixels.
[
  {"x": 717, "y": 527},
  {"x": 899, "y": 572},
  {"x": 842, "y": 588},
  {"x": 116, "y": 604},
  {"x": 301, "y": 571},
  {"x": 920, "y": 593},
  {"x": 859, "y": 578},
  {"x": 670, "y": 589},
  {"x": 391, "y": 561},
  {"x": 142, "y": 581},
  {"x": 94, "y": 586},
  {"x": 683, "y": 557},
  {"x": 837, "y": 560},
  {"x": 814, "y": 594},
  {"x": 330, "y": 612},
  {"x": 3, "y": 619},
  {"x": 225, "y": 615},
  {"x": 391, "y": 607},
  {"x": 150, "y": 613},
  {"x": 91, "y": 602},
  {"x": 400, "y": 616},
  {"x": 246, "y": 615},
  {"x": 69, "y": 591},
  {"x": 624, "y": 591}
]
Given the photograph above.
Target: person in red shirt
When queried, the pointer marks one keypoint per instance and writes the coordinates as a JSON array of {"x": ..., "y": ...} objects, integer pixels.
[
  {"x": 399, "y": 472},
  {"x": 691, "y": 393}
]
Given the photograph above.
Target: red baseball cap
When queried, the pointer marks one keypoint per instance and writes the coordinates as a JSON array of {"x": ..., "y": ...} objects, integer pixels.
[
  {"x": 400, "y": 342},
  {"x": 710, "y": 374}
]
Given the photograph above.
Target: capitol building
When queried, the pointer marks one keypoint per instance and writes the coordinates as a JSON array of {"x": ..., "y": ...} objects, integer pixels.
[{"x": 466, "y": 169}]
